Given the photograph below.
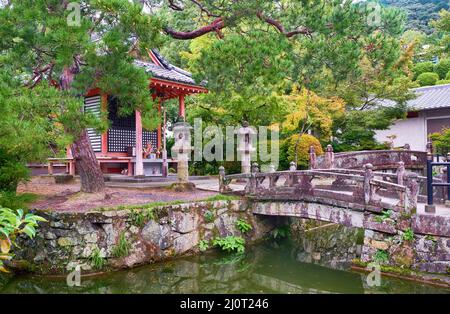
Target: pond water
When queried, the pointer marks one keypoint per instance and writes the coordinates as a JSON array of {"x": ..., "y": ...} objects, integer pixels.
[{"x": 265, "y": 268}]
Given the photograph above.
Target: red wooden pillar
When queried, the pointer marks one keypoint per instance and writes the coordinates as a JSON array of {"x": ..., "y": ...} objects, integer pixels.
[
  {"x": 181, "y": 108},
  {"x": 159, "y": 126},
  {"x": 139, "y": 166},
  {"x": 104, "y": 108}
]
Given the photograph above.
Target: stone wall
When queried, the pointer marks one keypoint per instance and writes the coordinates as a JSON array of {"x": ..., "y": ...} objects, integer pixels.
[
  {"x": 71, "y": 239},
  {"x": 425, "y": 253},
  {"x": 327, "y": 244}
]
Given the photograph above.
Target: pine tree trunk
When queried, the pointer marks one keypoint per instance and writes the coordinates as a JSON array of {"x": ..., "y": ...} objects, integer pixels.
[{"x": 91, "y": 175}]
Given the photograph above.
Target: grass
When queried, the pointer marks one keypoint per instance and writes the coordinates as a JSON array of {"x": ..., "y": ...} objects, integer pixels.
[
  {"x": 15, "y": 201},
  {"x": 122, "y": 248},
  {"x": 150, "y": 206},
  {"x": 97, "y": 261}
]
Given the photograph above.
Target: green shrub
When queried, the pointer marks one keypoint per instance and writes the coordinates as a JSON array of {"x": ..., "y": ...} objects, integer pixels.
[
  {"x": 422, "y": 67},
  {"x": 442, "y": 68},
  {"x": 441, "y": 141},
  {"x": 428, "y": 79},
  {"x": 230, "y": 244},
  {"x": 447, "y": 77},
  {"x": 243, "y": 226},
  {"x": 12, "y": 172},
  {"x": 305, "y": 142},
  {"x": 442, "y": 82},
  {"x": 123, "y": 247},
  {"x": 16, "y": 201}
]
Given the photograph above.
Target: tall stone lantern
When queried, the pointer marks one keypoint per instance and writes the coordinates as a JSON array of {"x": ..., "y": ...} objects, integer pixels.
[
  {"x": 182, "y": 151},
  {"x": 245, "y": 147}
]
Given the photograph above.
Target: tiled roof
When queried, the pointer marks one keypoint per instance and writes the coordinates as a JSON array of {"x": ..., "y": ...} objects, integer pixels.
[
  {"x": 431, "y": 97},
  {"x": 166, "y": 71}
]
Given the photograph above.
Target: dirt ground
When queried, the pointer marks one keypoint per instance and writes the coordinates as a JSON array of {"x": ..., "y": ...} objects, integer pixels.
[{"x": 67, "y": 197}]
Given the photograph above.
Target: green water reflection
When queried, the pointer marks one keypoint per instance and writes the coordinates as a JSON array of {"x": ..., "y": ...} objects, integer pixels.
[{"x": 266, "y": 268}]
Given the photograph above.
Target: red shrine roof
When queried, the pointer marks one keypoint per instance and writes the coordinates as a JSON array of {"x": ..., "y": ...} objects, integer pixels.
[{"x": 169, "y": 77}]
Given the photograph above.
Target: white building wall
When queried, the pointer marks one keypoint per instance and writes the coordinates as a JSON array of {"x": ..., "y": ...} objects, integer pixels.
[{"x": 410, "y": 131}]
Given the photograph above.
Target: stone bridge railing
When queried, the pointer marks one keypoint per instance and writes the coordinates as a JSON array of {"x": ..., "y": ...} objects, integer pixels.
[
  {"x": 360, "y": 190},
  {"x": 379, "y": 159}
]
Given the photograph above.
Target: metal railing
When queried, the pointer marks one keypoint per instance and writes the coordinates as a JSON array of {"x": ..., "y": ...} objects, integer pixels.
[{"x": 430, "y": 207}]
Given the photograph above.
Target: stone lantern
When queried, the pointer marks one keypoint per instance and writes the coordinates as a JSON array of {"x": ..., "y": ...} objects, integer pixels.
[
  {"x": 182, "y": 151},
  {"x": 245, "y": 147}
]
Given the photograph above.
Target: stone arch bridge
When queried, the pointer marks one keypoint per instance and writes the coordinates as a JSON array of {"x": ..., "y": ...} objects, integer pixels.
[{"x": 382, "y": 192}]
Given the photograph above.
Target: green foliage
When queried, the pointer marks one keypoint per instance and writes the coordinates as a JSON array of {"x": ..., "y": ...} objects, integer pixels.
[
  {"x": 96, "y": 259},
  {"x": 209, "y": 216},
  {"x": 428, "y": 78},
  {"x": 39, "y": 49},
  {"x": 441, "y": 141},
  {"x": 243, "y": 226},
  {"x": 381, "y": 256},
  {"x": 408, "y": 235},
  {"x": 419, "y": 12},
  {"x": 422, "y": 67},
  {"x": 12, "y": 171},
  {"x": 386, "y": 214},
  {"x": 442, "y": 68},
  {"x": 447, "y": 77},
  {"x": 122, "y": 248},
  {"x": 139, "y": 217},
  {"x": 280, "y": 232},
  {"x": 443, "y": 82},
  {"x": 16, "y": 201},
  {"x": 230, "y": 244},
  {"x": 12, "y": 224},
  {"x": 203, "y": 245}
]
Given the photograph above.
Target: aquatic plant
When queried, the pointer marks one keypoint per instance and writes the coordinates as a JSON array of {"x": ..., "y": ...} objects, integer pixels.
[
  {"x": 243, "y": 226},
  {"x": 230, "y": 244},
  {"x": 13, "y": 223}
]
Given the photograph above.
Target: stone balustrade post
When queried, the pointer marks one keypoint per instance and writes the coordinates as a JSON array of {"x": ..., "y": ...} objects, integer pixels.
[
  {"x": 292, "y": 177},
  {"x": 412, "y": 191},
  {"x": 292, "y": 166},
  {"x": 312, "y": 158},
  {"x": 368, "y": 176},
  {"x": 222, "y": 185},
  {"x": 400, "y": 180},
  {"x": 272, "y": 179},
  {"x": 329, "y": 157},
  {"x": 253, "y": 182}
]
